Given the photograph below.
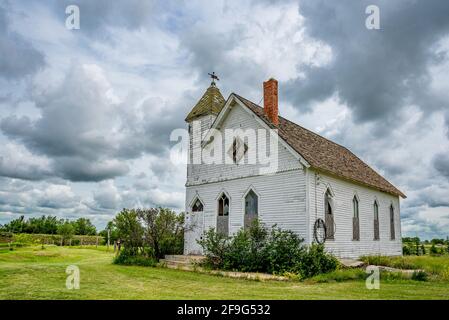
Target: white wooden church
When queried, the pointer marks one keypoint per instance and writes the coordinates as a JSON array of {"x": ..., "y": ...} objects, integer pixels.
[{"x": 316, "y": 182}]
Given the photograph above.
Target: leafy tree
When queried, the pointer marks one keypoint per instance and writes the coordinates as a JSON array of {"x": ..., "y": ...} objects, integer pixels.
[
  {"x": 163, "y": 230},
  {"x": 113, "y": 233},
  {"x": 66, "y": 230},
  {"x": 83, "y": 226},
  {"x": 423, "y": 250},
  {"x": 16, "y": 225},
  {"x": 437, "y": 241},
  {"x": 130, "y": 231},
  {"x": 47, "y": 225},
  {"x": 42, "y": 225}
]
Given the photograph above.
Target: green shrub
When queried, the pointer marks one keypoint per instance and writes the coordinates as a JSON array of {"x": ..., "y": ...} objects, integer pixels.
[
  {"x": 215, "y": 247},
  {"x": 126, "y": 257},
  {"x": 419, "y": 276},
  {"x": 316, "y": 261},
  {"x": 284, "y": 250},
  {"x": 433, "y": 249},
  {"x": 258, "y": 249},
  {"x": 406, "y": 251}
]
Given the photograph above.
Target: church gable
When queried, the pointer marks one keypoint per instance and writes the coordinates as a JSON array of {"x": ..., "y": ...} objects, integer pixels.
[{"x": 243, "y": 124}]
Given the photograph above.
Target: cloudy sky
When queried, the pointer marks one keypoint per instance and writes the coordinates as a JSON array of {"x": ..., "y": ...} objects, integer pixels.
[{"x": 85, "y": 115}]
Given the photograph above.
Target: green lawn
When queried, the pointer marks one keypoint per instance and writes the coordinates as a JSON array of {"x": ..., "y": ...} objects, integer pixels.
[{"x": 33, "y": 273}]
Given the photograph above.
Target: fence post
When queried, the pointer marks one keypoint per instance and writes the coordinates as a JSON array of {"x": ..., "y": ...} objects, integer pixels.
[{"x": 96, "y": 244}]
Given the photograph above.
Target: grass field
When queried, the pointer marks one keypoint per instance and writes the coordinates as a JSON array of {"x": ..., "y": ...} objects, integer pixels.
[{"x": 33, "y": 273}]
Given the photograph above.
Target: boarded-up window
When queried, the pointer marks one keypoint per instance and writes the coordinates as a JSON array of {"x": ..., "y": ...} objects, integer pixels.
[
  {"x": 392, "y": 231},
  {"x": 376, "y": 221},
  {"x": 329, "y": 216},
  {"x": 251, "y": 208},
  {"x": 355, "y": 219},
  {"x": 197, "y": 206},
  {"x": 223, "y": 215}
]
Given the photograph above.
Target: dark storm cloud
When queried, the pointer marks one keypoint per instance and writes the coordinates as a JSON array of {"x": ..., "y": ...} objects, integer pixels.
[
  {"x": 99, "y": 15},
  {"x": 375, "y": 72},
  {"x": 209, "y": 51},
  {"x": 18, "y": 57},
  {"x": 74, "y": 129},
  {"x": 25, "y": 171},
  {"x": 87, "y": 135},
  {"x": 78, "y": 169},
  {"x": 441, "y": 164}
]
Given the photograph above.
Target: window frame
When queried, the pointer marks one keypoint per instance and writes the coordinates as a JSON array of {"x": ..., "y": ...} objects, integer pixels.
[
  {"x": 376, "y": 222},
  {"x": 355, "y": 218},
  {"x": 222, "y": 197},
  {"x": 328, "y": 195},
  {"x": 232, "y": 151},
  {"x": 392, "y": 223},
  {"x": 194, "y": 204}
]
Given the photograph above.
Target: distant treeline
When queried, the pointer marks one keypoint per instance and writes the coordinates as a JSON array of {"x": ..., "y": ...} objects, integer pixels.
[
  {"x": 418, "y": 240},
  {"x": 50, "y": 225}
]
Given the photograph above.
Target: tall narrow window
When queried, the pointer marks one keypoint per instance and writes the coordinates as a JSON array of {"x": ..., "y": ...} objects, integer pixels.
[
  {"x": 197, "y": 206},
  {"x": 223, "y": 215},
  {"x": 376, "y": 221},
  {"x": 328, "y": 216},
  {"x": 251, "y": 210},
  {"x": 392, "y": 232},
  {"x": 223, "y": 205},
  {"x": 355, "y": 219}
]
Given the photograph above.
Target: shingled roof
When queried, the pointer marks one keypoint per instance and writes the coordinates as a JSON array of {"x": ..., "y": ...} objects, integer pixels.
[
  {"x": 325, "y": 155},
  {"x": 210, "y": 103}
]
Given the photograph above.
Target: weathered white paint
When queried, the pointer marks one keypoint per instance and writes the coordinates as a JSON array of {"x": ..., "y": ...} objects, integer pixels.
[
  {"x": 282, "y": 200},
  {"x": 238, "y": 118},
  {"x": 287, "y": 197},
  {"x": 343, "y": 193}
]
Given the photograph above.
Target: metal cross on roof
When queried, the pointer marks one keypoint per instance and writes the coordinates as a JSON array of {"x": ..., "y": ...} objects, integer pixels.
[{"x": 214, "y": 77}]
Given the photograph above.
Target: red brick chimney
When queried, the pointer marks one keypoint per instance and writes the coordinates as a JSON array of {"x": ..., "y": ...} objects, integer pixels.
[{"x": 270, "y": 100}]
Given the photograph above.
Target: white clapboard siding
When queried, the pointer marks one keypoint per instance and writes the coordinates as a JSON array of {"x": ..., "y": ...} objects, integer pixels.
[
  {"x": 287, "y": 197},
  {"x": 238, "y": 118},
  {"x": 281, "y": 200},
  {"x": 343, "y": 192}
]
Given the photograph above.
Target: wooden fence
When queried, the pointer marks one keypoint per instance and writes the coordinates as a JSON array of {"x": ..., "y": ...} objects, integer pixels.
[{"x": 30, "y": 238}]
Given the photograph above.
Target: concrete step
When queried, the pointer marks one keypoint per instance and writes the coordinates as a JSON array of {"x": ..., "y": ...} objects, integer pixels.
[
  {"x": 351, "y": 263},
  {"x": 186, "y": 262},
  {"x": 183, "y": 257}
]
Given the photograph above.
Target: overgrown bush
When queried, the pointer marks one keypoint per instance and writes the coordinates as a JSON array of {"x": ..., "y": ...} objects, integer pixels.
[
  {"x": 148, "y": 234},
  {"x": 163, "y": 230},
  {"x": 258, "y": 249},
  {"x": 419, "y": 275},
  {"x": 316, "y": 261},
  {"x": 126, "y": 257},
  {"x": 216, "y": 249},
  {"x": 406, "y": 251}
]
